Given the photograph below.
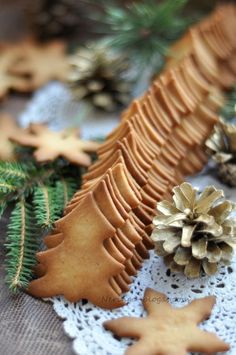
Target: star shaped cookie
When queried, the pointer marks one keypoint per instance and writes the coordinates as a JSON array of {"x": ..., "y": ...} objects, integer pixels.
[
  {"x": 52, "y": 145},
  {"x": 27, "y": 65},
  {"x": 167, "y": 330},
  {"x": 40, "y": 63}
]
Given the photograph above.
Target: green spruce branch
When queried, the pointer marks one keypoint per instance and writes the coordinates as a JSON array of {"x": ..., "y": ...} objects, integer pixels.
[
  {"x": 144, "y": 30},
  {"x": 39, "y": 195},
  {"x": 21, "y": 246},
  {"x": 45, "y": 202},
  {"x": 65, "y": 188},
  {"x": 7, "y": 187},
  {"x": 13, "y": 171}
]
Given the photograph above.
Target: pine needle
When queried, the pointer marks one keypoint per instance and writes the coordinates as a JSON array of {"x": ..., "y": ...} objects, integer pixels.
[
  {"x": 15, "y": 178},
  {"x": 66, "y": 188},
  {"x": 14, "y": 171},
  {"x": 3, "y": 206},
  {"x": 6, "y": 188},
  {"x": 45, "y": 202},
  {"x": 21, "y": 246}
]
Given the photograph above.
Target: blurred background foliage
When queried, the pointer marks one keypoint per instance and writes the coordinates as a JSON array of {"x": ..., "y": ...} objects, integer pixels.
[{"x": 18, "y": 17}]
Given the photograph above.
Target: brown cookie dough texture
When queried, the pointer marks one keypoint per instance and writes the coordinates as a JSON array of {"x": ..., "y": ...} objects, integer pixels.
[{"x": 158, "y": 142}]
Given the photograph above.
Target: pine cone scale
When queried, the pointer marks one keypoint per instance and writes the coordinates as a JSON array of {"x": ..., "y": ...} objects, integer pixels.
[
  {"x": 209, "y": 268},
  {"x": 221, "y": 211},
  {"x": 182, "y": 256},
  {"x": 227, "y": 252},
  {"x": 171, "y": 244},
  {"x": 214, "y": 253},
  {"x": 187, "y": 234},
  {"x": 199, "y": 248},
  {"x": 193, "y": 268}
]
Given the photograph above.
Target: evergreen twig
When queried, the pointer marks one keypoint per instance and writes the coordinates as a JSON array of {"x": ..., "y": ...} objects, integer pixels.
[
  {"x": 21, "y": 246},
  {"x": 7, "y": 187},
  {"x": 145, "y": 29},
  {"x": 40, "y": 194},
  {"x": 65, "y": 188},
  {"x": 14, "y": 171},
  {"x": 45, "y": 203}
]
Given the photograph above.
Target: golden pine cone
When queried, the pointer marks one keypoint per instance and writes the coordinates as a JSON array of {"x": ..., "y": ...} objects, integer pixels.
[
  {"x": 227, "y": 173},
  {"x": 194, "y": 233},
  {"x": 222, "y": 148},
  {"x": 100, "y": 76}
]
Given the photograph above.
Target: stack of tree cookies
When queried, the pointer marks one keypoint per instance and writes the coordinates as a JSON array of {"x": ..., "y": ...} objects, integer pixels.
[{"x": 104, "y": 236}]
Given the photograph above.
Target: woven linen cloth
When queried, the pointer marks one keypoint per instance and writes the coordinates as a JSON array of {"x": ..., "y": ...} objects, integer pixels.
[{"x": 82, "y": 321}]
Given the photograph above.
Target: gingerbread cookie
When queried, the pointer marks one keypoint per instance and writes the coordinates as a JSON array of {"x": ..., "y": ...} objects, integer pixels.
[
  {"x": 51, "y": 145},
  {"x": 8, "y": 127},
  {"x": 167, "y": 330},
  {"x": 40, "y": 63},
  {"x": 8, "y": 81},
  {"x": 27, "y": 65},
  {"x": 80, "y": 267},
  {"x": 97, "y": 207}
]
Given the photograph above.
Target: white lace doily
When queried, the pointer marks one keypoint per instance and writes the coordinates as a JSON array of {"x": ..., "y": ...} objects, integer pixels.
[
  {"x": 52, "y": 105},
  {"x": 83, "y": 321}
]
